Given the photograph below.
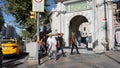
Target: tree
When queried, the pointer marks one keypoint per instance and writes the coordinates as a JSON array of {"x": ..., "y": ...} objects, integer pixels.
[
  {"x": 25, "y": 34},
  {"x": 1, "y": 20},
  {"x": 21, "y": 9}
]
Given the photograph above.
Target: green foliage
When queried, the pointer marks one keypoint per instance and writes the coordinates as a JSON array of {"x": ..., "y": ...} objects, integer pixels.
[
  {"x": 25, "y": 34},
  {"x": 1, "y": 20},
  {"x": 21, "y": 9}
]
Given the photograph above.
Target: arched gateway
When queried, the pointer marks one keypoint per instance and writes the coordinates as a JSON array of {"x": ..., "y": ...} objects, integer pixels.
[
  {"x": 80, "y": 25},
  {"x": 79, "y": 22},
  {"x": 67, "y": 22},
  {"x": 83, "y": 17}
]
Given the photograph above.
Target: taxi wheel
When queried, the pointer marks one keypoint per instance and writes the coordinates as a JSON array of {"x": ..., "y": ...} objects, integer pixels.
[{"x": 0, "y": 62}]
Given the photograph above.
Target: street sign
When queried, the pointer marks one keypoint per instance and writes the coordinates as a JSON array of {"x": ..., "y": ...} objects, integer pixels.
[
  {"x": 38, "y": 1},
  {"x": 38, "y": 5}
]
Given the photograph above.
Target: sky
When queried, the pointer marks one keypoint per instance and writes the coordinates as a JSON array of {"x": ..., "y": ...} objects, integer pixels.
[
  {"x": 9, "y": 19},
  {"x": 52, "y": 4}
]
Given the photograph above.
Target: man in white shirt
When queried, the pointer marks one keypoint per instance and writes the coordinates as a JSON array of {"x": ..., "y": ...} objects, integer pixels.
[{"x": 52, "y": 48}]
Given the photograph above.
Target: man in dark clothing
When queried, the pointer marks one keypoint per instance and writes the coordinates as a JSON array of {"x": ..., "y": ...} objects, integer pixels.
[{"x": 60, "y": 44}]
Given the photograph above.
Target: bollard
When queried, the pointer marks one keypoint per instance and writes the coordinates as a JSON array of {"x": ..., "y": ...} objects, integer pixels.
[{"x": 39, "y": 57}]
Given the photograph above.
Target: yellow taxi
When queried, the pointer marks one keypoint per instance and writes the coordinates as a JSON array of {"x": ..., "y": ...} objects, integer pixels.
[{"x": 11, "y": 47}]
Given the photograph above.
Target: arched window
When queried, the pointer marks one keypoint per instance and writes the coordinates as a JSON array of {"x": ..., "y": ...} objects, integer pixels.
[{"x": 84, "y": 28}]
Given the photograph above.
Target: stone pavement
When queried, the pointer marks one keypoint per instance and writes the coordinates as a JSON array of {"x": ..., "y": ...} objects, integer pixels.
[
  {"x": 87, "y": 59},
  {"x": 84, "y": 60},
  {"x": 115, "y": 55}
]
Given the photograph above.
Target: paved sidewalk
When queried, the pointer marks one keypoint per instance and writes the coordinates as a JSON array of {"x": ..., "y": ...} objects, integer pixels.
[
  {"x": 83, "y": 60},
  {"x": 87, "y": 59},
  {"x": 83, "y": 51},
  {"x": 115, "y": 55}
]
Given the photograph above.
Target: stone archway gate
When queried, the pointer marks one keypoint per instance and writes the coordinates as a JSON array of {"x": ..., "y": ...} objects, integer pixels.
[
  {"x": 93, "y": 11},
  {"x": 61, "y": 20}
]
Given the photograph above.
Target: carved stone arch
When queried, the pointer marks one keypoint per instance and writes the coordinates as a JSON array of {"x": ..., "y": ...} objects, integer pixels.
[
  {"x": 76, "y": 21},
  {"x": 77, "y": 14},
  {"x": 74, "y": 24}
]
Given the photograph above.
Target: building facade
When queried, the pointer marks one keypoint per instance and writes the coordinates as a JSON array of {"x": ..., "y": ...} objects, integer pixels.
[
  {"x": 87, "y": 18},
  {"x": 8, "y": 31}
]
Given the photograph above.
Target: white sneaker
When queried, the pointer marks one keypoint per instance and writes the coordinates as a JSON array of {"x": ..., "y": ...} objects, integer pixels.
[
  {"x": 50, "y": 58},
  {"x": 55, "y": 60}
]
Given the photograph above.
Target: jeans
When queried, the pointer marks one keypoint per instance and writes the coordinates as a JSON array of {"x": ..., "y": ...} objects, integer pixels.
[
  {"x": 52, "y": 54},
  {"x": 62, "y": 49},
  {"x": 79, "y": 41}
]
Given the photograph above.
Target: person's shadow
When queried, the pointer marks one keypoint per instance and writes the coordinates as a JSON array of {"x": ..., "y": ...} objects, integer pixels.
[{"x": 58, "y": 56}]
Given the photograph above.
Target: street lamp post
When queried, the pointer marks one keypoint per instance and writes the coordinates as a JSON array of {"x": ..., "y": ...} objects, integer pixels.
[
  {"x": 39, "y": 52},
  {"x": 106, "y": 33}
]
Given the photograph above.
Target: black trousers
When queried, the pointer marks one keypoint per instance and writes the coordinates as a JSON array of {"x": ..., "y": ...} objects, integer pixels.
[{"x": 74, "y": 45}]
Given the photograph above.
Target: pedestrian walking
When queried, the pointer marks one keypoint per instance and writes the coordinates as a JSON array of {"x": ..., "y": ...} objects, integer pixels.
[
  {"x": 74, "y": 43},
  {"x": 117, "y": 36},
  {"x": 61, "y": 44},
  {"x": 52, "y": 48},
  {"x": 79, "y": 40},
  {"x": 70, "y": 43},
  {"x": 44, "y": 43},
  {"x": 87, "y": 40},
  {"x": 42, "y": 47}
]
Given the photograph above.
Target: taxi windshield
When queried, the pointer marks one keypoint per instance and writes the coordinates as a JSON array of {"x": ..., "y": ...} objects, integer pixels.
[{"x": 8, "y": 41}]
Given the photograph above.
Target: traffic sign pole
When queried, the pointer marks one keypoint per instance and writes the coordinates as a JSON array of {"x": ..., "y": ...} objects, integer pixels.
[
  {"x": 38, "y": 1},
  {"x": 38, "y": 6},
  {"x": 39, "y": 51}
]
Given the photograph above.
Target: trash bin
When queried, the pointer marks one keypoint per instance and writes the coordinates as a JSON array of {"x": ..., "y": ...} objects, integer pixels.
[{"x": 90, "y": 46}]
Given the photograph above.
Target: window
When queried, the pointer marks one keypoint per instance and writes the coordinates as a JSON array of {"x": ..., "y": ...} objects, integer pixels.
[{"x": 84, "y": 28}]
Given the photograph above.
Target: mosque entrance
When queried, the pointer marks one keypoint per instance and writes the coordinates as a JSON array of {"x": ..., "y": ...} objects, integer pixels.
[{"x": 79, "y": 24}]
